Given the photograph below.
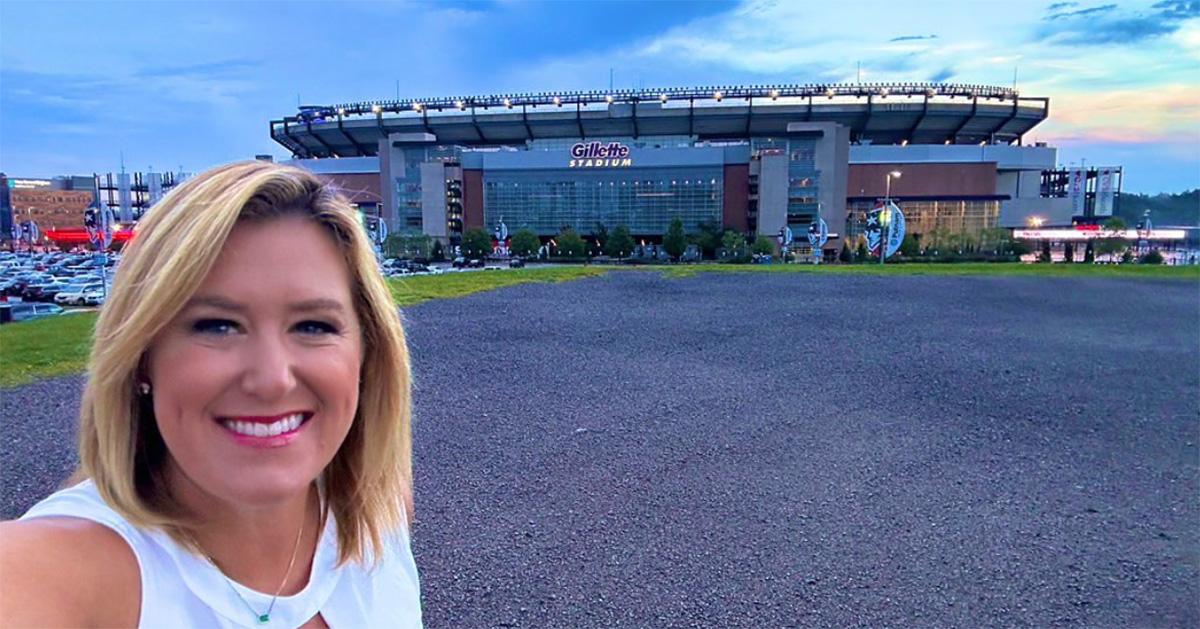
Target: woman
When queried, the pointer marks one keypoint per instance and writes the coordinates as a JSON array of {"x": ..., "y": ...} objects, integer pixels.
[{"x": 244, "y": 434}]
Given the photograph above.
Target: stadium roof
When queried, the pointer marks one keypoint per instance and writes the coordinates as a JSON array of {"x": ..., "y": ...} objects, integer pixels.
[{"x": 896, "y": 113}]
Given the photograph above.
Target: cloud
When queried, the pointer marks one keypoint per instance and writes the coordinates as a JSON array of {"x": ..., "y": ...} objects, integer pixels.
[
  {"x": 1178, "y": 9},
  {"x": 942, "y": 75},
  {"x": 209, "y": 69},
  {"x": 1106, "y": 24},
  {"x": 1061, "y": 5},
  {"x": 1166, "y": 115},
  {"x": 912, "y": 37},
  {"x": 1080, "y": 12}
]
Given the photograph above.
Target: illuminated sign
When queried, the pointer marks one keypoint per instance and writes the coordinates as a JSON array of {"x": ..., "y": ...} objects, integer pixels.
[
  {"x": 28, "y": 183},
  {"x": 599, "y": 155},
  {"x": 1077, "y": 234}
]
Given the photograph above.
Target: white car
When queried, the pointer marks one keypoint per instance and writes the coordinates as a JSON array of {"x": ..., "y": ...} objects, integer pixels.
[
  {"x": 74, "y": 295},
  {"x": 94, "y": 297}
]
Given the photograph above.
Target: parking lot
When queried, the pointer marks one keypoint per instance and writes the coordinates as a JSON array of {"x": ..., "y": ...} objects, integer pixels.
[{"x": 762, "y": 450}]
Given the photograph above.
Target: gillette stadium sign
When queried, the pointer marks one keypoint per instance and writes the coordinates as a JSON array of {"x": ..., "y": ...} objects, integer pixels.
[{"x": 599, "y": 155}]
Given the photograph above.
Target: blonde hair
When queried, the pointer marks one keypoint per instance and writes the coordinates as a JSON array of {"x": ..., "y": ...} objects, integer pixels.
[{"x": 368, "y": 483}]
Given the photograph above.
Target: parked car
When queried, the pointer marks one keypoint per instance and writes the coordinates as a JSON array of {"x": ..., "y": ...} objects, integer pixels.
[
  {"x": 459, "y": 262},
  {"x": 476, "y": 263},
  {"x": 74, "y": 294},
  {"x": 94, "y": 297},
  {"x": 516, "y": 263},
  {"x": 28, "y": 311},
  {"x": 42, "y": 291}
]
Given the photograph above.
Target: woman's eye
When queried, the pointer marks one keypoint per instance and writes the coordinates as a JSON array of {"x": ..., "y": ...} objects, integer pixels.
[
  {"x": 215, "y": 326},
  {"x": 316, "y": 327}
]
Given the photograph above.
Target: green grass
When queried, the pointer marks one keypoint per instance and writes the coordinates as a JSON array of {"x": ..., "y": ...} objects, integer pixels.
[
  {"x": 955, "y": 269},
  {"x": 56, "y": 346},
  {"x": 414, "y": 290},
  {"x": 42, "y": 348}
]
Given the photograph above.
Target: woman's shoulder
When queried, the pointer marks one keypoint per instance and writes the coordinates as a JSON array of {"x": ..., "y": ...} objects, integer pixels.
[{"x": 67, "y": 571}]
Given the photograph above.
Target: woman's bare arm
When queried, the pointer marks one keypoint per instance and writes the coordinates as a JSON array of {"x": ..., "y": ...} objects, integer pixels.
[{"x": 66, "y": 572}]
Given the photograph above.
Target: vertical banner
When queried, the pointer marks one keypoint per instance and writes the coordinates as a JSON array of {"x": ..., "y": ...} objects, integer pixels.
[
  {"x": 1104, "y": 192},
  {"x": 125, "y": 198},
  {"x": 1076, "y": 190},
  {"x": 155, "y": 186}
]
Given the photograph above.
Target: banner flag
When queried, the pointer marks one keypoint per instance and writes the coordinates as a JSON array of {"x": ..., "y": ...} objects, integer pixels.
[
  {"x": 1104, "y": 192},
  {"x": 1076, "y": 190}
]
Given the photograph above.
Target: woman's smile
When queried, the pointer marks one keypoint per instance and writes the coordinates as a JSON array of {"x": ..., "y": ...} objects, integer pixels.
[{"x": 271, "y": 431}]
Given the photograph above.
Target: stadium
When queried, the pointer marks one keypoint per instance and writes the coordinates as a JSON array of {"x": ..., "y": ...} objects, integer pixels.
[{"x": 755, "y": 159}]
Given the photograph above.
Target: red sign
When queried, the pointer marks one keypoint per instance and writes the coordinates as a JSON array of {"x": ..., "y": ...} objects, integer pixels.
[{"x": 79, "y": 235}]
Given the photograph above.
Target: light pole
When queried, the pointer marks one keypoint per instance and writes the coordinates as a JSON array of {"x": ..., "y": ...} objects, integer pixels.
[
  {"x": 1036, "y": 223},
  {"x": 885, "y": 223}
]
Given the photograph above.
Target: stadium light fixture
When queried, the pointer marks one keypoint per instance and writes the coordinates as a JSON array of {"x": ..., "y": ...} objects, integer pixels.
[
  {"x": 417, "y": 107},
  {"x": 461, "y": 105},
  {"x": 662, "y": 98},
  {"x": 341, "y": 111},
  {"x": 829, "y": 92},
  {"x": 508, "y": 103},
  {"x": 883, "y": 93},
  {"x": 718, "y": 95},
  {"x": 557, "y": 101},
  {"x": 774, "y": 94},
  {"x": 376, "y": 109},
  {"x": 608, "y": 99},
  {"x": 1035, "y": 221}
]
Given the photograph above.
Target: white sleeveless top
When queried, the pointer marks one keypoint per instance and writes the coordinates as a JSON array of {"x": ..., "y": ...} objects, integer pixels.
[{"x": 181, "y": 589}]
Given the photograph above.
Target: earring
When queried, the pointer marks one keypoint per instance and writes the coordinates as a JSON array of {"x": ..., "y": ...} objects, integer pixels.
[{"x": 144, "y": 388}]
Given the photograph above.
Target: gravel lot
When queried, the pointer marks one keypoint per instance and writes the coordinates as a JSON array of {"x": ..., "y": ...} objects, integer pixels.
[{"x": 787, "y": 450}]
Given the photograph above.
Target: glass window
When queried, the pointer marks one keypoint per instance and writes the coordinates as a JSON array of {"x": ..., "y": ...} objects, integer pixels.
[{"x": 643, "y": 200}]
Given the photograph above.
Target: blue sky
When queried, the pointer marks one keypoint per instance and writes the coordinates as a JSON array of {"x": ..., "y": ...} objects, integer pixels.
[{"x": 175, "y": 84}]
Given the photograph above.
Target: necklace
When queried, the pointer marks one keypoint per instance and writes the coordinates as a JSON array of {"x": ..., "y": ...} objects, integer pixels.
[{"x": 265, "y": 617}]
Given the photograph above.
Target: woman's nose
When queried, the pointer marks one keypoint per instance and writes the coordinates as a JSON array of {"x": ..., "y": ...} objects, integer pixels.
[{"x": 268, "y": 372}]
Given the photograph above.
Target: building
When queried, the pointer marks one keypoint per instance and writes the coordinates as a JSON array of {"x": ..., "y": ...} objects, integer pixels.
[
  {"x": 57, "y": 205},
  {"x": 51, "y": 203},
  {"x": 755, "y": 159}
]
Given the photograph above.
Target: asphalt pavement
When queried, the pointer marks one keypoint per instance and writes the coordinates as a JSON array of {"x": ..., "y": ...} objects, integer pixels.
[{"x": 768, "y": 450}]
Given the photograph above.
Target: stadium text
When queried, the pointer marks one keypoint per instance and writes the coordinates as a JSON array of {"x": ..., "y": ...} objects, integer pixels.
[{"x": 598, "y": 154}]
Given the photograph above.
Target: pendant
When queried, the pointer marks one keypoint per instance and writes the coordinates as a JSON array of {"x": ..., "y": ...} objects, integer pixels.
[{"x": 264, "y": 619}]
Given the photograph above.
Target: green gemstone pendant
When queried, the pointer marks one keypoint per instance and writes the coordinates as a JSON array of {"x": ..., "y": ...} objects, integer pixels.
[{"x": 264, "y": 619}]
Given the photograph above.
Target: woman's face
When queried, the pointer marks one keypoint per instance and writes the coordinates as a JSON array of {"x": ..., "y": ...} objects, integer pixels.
[{"x": 255, "y": 382}]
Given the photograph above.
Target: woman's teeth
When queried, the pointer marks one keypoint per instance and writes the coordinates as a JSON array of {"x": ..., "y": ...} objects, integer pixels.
[{"x": 258, "y": 429}]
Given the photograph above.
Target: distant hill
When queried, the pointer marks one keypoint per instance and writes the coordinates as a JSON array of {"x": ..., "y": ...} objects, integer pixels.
[{"x": 1165, "y": 209}]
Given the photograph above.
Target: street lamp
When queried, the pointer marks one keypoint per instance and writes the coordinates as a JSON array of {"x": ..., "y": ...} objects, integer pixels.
[
  {"x": 885, "y": 223},
  {"x": 1036, "y": 223}
]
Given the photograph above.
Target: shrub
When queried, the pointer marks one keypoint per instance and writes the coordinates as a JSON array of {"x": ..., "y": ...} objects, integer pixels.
[
  {"x": 570, "y": 244},
  {"x": 763, "y": 246},
  {"x": 620, "y": 243},
  {"x": 845, "y": 255},
  {"x": 525, "y": 243},
  {"x": 674, "y": 242},
  {"x": 910, "y": 247},
  {"x": 708, "y": 239},
  {"x": 1152, "y": 257},
  {"x": 734, "y": 245},
  {"x": 476, "y": 243}
]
